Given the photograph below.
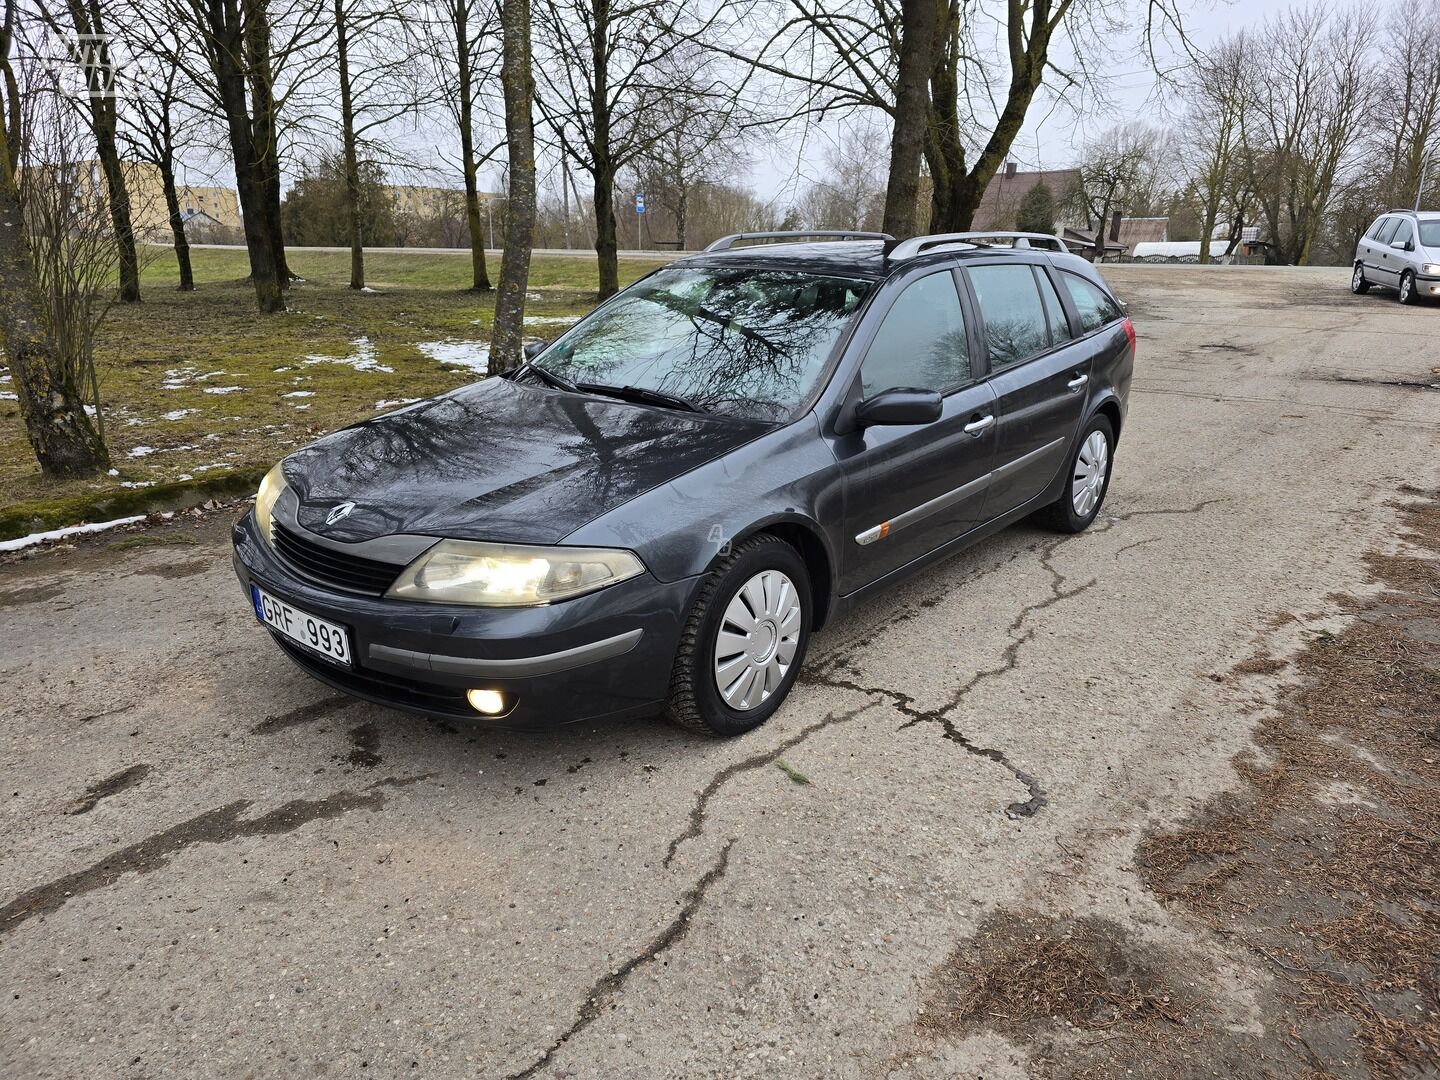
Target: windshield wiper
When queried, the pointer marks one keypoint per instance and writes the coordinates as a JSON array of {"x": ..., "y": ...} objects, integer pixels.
[
  {"x": 549, "y": 378},
  {"x": 640, "y": 395}
]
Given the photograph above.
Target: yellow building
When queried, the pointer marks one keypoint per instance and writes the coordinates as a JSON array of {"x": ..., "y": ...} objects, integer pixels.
[
  {"x": 428, "y": 202},
  {"x": 149, "y": 217}
]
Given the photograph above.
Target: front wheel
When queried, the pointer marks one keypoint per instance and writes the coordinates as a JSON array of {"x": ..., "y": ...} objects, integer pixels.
[
  {"x": 1086, "y": 482},
  {"x": 744, "y": 640},
  {"x": 1407, "y": 288},
  {"x": 1358, "y": 284}
]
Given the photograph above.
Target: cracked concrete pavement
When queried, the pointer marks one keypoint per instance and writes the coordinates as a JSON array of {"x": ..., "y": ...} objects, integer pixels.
[{"x": 216, "y": 867}]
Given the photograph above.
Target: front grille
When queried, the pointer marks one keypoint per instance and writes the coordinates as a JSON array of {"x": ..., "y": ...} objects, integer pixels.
[
  {"x": 350, "y": 573},
  {"x": 377, "y": 684}
]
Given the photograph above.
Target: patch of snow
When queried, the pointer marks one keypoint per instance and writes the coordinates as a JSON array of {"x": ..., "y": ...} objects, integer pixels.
[
  {"x": 185, "y": 476},
  {"x": 366, "y": 288},
  {"x": 142, "y": 451},
  {"x": 223, "y": 389},
  {"x": 91, "y": 411},
  {"x": 471, "y": 355},
  {"x": 299, "y": 393},
  {"x": 173, "y": 414},
  {"x": 300, "y": 408},
  {"x": 9, "y": 397},
  {"x": 113, "y": 472},
  {"x": 135, "y": 421},
  {"x": 362, "y": 359},
  {"x": 72, "y": 530},
  {"x": 396, "y": 403},
  {"x": 137, "y": 483},
  {"x": 280, "y": 369},
  {"x": 551, "y": 320}
]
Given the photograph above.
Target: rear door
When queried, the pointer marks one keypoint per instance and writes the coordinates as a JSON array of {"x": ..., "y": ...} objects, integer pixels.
[
  {"x": 1038, "y": 372},
  {"x": 1382, "y": 267},
  {"x": 909, "y": 489}
]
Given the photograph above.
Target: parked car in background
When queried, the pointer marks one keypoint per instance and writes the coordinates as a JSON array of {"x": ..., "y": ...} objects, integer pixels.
[
  {"x": 1400, "y": 251},
  {"x": 658, "y": 509}
]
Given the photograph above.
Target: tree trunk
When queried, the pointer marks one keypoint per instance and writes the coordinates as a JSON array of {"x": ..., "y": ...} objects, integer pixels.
[
  {"x": 918, "y": 26},
  {"x": 65, "y": 442},
  {"x": 265, "y": 127},
  {"x": 945, "y": 145},
  {"x": 479, "y": 272},
  {"x": 177, "y": 228},
  {"x": 518, "y": 83},
  {"x": 607, "y": 245},
  {"x": 96, "y": 57},
  {"x": 681, "y": 214},
  {"x": 354, "y": 225}
]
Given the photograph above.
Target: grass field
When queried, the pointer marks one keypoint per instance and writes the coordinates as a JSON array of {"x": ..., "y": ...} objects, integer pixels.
[{"x": 199, "y": 384}]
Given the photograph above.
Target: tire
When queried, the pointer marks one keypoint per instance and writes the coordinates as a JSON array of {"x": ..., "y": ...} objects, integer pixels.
[
  {"x": 1358, "y": 285},
  {"x": 1062, "y": 515},
  {"x": 1407, "y": 293},
  {"x": 697, "y": 701}
]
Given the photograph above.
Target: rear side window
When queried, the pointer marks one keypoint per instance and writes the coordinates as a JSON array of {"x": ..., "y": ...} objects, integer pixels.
[
  {"x": 921, "y": 342},
  {"x": 1387, "y": 230},
  {"x": 1094, "y": 304},
  {"x": 1015, "y": 325},
  {"x": 1059, "y": 327},
  {"x": 1374, "y": 231}
]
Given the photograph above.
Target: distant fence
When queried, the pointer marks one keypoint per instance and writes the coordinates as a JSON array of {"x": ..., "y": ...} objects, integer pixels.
[{"x": 1220, "y": 260}]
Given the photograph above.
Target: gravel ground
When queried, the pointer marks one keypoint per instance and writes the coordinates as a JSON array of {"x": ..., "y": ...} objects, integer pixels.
[{"x": 216, "y": 867}]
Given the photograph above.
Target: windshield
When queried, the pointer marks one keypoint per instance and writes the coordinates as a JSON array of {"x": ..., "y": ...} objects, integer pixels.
[
  {"x": 1430, "y": 234},
  {"x": 747, "y": 343}
]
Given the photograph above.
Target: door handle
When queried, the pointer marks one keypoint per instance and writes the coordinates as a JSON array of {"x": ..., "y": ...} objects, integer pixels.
[
  {"x": 980, "y": 424},
  {"x": 1078, "y": 382}
]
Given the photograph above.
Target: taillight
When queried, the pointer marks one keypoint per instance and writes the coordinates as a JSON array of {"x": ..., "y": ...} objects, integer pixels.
[{"x": 1130, "y": 333}]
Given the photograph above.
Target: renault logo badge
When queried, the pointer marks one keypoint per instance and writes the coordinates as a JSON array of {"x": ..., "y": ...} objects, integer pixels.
[{"x": 339, "y": 513}]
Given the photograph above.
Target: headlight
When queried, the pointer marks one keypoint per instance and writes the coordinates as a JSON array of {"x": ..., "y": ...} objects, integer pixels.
[
  {"x": 510, "y": 575},
  {"x": 271, "y": 488},
  {"x": 1430, "y": 268}
]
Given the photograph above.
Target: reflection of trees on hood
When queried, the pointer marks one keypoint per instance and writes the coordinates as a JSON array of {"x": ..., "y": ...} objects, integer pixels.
[{"x": 736, "y": 342}]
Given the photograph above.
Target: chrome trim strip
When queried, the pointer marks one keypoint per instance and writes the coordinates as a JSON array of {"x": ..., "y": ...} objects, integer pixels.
[
  {"x": 1025, "y": 459},
  {"x": 925, "y": 509},
  {"x": 950, "y": 498},
  {"x": 519, "y": 668}
]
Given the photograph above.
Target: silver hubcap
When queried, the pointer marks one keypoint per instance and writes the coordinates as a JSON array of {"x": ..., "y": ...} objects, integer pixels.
[
  {"x": 1405, "y": 288},
  {"x": 757, "y": 641},
  {"x": 1358, "y": 279},
  {"x": 1091, "y": 467}
]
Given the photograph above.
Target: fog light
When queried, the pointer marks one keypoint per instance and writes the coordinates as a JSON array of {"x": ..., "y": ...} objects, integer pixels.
[{"x": 489, "y": 702}]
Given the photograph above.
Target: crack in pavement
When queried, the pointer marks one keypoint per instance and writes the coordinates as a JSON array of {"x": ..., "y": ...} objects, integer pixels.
[
  {"x": 216, "y": 826},
  {"x": 605, "y": 989},
  {"x": 754, "y": 761}
]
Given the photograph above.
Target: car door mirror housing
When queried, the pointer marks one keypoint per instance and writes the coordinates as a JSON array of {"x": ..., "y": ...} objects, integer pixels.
[
  {"x": 898, "y": 408},
  {"x": 1401, "y": 245},
  {"x": 535, "y": 348}
]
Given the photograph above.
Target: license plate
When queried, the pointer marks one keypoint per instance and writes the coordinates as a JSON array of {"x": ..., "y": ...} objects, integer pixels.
[{"x": 301, "y": 627}]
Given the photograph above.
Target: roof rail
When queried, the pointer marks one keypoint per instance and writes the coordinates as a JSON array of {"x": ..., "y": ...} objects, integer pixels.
[
  {"x": 916, "y": 245},
  {"x": 725, "y": 243}
]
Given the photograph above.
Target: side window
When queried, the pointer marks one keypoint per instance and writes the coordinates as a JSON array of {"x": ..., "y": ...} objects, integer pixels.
[
  {"x": 921, "y": 342},
  {"x": 1094, "y": 304},
  {"x": 1015, "y": 326},
  {"x": 1374, "y": 231},
  {"x": 1054, "y": 312},
  {"x": 1403, "y": 232},
  {"x": 1387, "y": 230}
]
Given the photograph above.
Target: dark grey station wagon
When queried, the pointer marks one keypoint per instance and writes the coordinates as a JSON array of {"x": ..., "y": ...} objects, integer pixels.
[{"x": 659, "y": 508}]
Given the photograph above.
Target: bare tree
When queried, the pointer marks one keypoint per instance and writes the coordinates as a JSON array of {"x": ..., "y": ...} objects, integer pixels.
[
  {"x": 1406, "y": 107},
  {"x": 1115, "y": 170},
  {"x": 1216, "y": 98},
  {"x": 92, "y": 49},
  {"x": 1310, "y": 103},
  {"x": 53, "y": 374},
  {"x": 460, "y": 39},
  {"x": 517, "y": 81}
]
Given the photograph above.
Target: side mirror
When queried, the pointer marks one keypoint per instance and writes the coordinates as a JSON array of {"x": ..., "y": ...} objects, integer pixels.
[
  {"x": 898, "y": 408},
  {"x": 535, "y": 348},
  {"x": 1401, "y": 245}
]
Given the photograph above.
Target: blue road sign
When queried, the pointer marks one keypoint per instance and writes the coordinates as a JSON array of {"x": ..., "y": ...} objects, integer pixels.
[{"x": 639, "y": 203}]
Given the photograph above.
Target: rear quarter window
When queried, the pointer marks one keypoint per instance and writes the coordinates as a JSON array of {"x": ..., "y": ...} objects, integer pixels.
[{"x": 1095, "y": 306}]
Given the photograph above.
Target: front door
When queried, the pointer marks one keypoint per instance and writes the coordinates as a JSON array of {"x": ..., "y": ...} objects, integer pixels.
[
  {"x": 1039, "y": 375},
  {"x": 909, "y": 489}
]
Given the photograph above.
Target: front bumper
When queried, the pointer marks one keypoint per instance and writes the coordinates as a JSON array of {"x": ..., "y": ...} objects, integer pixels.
[{"x": 603, "y": 656}]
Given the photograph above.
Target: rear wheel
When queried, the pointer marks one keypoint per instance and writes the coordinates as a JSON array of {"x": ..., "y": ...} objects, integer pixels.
[
  {"x": 1087, "y": 480},
  {"x": 1358, "y": 284},
  {"x": 744, "y": 641},
  {"x": 1407, "y": 292}
]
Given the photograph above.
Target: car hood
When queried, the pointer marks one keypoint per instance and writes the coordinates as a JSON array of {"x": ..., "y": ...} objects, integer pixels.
[{"x": 499, "y": 461}]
